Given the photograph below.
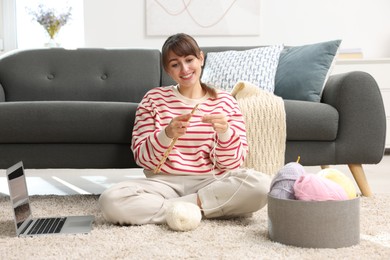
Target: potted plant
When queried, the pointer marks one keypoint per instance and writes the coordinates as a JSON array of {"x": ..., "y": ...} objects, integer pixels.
[{"x": 51, "y": 21}]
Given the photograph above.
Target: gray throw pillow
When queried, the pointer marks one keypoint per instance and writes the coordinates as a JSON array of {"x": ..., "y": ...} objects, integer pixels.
[{"x": 303, "y": 70}]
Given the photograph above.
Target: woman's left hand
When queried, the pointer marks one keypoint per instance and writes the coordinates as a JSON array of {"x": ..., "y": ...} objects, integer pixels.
[{"x": 218, "y": 121}]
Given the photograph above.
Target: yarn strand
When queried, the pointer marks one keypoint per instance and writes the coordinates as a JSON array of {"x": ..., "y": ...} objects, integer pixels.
[{"x": 233, "y": 195}]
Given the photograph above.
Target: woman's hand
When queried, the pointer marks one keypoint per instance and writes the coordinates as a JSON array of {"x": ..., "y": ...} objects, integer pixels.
[
  {"x": 218, "y": 121},
  {"x": 178, "y": 126}
]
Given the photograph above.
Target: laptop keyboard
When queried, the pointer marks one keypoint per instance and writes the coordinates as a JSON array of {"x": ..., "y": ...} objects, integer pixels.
[{"x": 47, "y": 226}]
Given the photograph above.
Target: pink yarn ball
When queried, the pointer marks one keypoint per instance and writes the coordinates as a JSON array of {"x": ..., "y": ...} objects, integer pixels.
[{"x": 312, "y": 187}]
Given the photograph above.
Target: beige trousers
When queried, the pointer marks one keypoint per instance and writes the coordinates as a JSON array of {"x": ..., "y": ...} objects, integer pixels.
[{"x": 144, "y": 201}]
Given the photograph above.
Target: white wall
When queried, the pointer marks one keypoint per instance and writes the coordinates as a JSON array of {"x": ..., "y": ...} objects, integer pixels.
[
  {"x": 361, "y": 24},
  {"x": 1, "y": 19}
]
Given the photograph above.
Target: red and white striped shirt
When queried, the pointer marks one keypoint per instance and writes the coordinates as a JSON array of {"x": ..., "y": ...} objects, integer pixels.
[{"x": 201, "y": 150}]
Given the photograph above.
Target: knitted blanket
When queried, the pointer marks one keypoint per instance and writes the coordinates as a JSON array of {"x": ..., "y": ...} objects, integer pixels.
[{"x": 265, "y": 121}]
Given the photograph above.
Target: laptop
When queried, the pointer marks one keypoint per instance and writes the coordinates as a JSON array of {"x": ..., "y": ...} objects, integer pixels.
[{"x": 25, "y": 224}]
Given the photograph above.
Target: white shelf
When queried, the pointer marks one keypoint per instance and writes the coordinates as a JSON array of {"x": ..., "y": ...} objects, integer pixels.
[
  {"x": 362, "y": 61},
  {"x": 380, "y": 70}
]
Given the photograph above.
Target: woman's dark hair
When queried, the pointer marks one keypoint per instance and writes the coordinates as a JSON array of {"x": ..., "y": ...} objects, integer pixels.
[{"x": 183, "y": 45}]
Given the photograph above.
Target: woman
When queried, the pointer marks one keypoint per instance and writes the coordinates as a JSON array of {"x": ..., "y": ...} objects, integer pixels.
[{"x": 209, "y": 147}]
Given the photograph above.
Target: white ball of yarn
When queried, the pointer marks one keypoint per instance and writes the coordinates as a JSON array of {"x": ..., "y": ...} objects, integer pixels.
[{"x": 183, "y": 216}]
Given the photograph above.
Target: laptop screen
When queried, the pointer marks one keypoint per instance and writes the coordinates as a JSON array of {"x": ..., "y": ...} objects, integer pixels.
[{"x": 18, "y": 194}]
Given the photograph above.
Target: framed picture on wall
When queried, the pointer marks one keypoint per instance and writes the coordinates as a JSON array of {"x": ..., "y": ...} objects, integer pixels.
[{"x": 203, "y": 17}]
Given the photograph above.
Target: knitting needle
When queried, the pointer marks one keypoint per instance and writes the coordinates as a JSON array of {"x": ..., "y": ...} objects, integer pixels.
[{"x": 168, "y": 151}]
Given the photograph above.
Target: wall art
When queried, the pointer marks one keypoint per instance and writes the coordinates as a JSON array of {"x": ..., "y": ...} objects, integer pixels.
[{"x": 203, "y": 17}]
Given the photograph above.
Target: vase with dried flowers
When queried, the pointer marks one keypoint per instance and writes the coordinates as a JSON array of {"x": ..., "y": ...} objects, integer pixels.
[{"x": 51, "y": 21}]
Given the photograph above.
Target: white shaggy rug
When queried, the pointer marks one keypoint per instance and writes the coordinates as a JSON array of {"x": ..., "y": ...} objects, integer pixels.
[{"x": 244, "y": 238}]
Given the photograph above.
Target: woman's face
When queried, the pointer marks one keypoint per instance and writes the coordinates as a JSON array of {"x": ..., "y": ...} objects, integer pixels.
[{"x": 185, "y": 70}]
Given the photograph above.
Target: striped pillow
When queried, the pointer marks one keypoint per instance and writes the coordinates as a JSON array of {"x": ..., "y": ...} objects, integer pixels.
[{"x": 257, "y": 66}]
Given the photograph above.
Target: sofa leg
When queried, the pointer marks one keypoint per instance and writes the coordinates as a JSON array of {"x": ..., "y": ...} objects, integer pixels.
[
  {"x": 360, "y": 178},
  {"x": 324, "y": 166}
]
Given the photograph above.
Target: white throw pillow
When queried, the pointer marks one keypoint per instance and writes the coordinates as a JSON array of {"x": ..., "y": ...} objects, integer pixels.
[{"x": 257, "y": 66}]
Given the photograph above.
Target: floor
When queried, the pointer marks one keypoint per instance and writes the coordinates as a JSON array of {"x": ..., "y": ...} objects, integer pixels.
[
  {"x": 378, "y": 175},
  {"x": 94, "y": 181}
]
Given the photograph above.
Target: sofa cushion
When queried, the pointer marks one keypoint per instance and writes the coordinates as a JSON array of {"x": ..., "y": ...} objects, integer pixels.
[
  {"x": 123, "y": 75},
  {"x": 54, "y": 155},
  {"x": 303, "y": 70},
  {"x": 310, "y": 121},
  {"x": 257, "y": 66},
  {"x": 67, "y": 122}
]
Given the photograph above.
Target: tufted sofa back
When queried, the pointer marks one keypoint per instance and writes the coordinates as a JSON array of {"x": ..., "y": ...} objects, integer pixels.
[{"x": 122, "y": 75}]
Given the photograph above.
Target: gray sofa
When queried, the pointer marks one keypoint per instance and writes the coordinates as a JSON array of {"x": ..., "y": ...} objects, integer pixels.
[{"x": 75, "y": 109}]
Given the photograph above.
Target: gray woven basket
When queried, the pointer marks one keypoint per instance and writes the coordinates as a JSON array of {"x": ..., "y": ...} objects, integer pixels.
[{"x": 314, "y": 224}]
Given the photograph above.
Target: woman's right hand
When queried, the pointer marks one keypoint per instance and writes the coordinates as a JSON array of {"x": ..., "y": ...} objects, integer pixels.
[{"x": 178, "y": 126}]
